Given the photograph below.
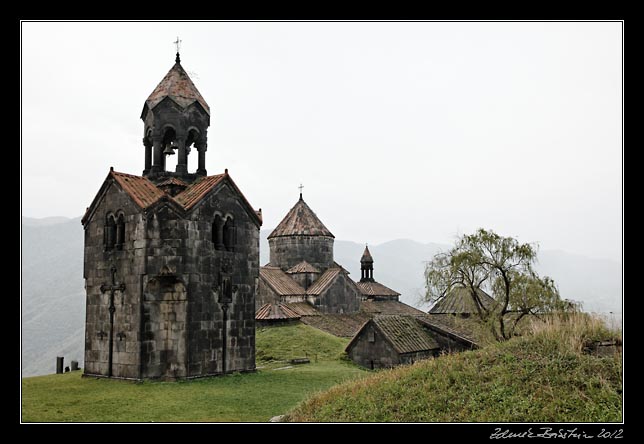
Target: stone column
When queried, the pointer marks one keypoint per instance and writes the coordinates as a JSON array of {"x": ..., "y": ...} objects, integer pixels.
[
  {"x": 182, "y": 161},
  {"x": 148, "y": 156},
  {"x": 201, "y": 169},
  {"x": 157, "y": 152}
]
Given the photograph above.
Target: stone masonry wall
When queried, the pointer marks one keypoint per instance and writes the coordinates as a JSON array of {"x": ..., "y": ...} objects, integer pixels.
[
  {"x": 185, "y": 249},
  {"x": 265, "y": 295},
  {"x": 340, "y": 297},
  {"x": 373, "y": 354},
  {"x": 129, "y": 263},
  {"x": 287, "y": 251}
]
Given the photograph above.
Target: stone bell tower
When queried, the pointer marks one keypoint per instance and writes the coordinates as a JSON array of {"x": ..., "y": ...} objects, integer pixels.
[
  {"x": 171, "y": 262},
  {"x": 176, "y": 119}
]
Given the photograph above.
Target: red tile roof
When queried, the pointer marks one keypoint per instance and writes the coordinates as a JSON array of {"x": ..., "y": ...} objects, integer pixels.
[
  {"x": 177, "y": 86},
  {"x": 300, "y": 221},
  {"x": 280, "y": 282},
  {"x": 197, "y": 191},
  {"x": 142, "y": 191},
  {"x": 145, "y": 193},
  {"x": 173, "y": 181},
  {"x": 375, "y": 289}
]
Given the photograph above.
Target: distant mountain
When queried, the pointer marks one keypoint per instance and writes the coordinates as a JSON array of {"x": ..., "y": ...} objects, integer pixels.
[
  {"x": 400, "y": 264},
  {"x": 53, "y": 296}
]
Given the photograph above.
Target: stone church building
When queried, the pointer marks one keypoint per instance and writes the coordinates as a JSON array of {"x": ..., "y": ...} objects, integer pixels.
[
  {"x": 302, "y": 277},
  {"x": 302, "y": 269},
  {"x": 171, "y": 258}
]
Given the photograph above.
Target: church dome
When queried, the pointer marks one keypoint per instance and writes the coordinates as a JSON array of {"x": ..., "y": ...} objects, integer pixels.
[{"x": 300, "y": 221}]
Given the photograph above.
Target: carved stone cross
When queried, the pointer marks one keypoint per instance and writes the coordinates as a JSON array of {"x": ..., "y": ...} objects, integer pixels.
[{"x": 114, "y": 287}]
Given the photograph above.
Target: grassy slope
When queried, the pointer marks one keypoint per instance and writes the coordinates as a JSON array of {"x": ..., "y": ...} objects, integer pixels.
[
  {"x": 273, "y": 390},
  {"x": 297, "y": 341},
  {"x": 543, "y": 377}
]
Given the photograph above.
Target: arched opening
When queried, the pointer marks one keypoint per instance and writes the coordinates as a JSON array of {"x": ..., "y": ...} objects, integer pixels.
[
  {"x": 109, "y": 235},
  {"x": 120, "y": 231},
  {"x": 229, "y": 234},
  {"x": 169, "y": 148},
  {"x": 217, "y": 232},
  {"x": 192, "y": 138}
]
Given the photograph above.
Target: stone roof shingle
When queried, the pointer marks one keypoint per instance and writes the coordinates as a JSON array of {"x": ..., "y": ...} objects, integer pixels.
[
  {"x": 405, "y": 333},
  {"x": 300, "y": 221},
  {"x": 323, "y": 281},
  {"x": 275, "y": 312},
  {"x": 280, "y": 282},
  {"x": 302, "y": 267},
  {"x": 389, "y": 308},
  {"x": 375, "y": 289},
  {"x": 459, "y": 301}
]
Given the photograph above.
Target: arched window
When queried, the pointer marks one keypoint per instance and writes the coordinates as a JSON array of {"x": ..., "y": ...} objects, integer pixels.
[
  {"x": 120, "y": 231},
  {"x": 229, "y": 234},
  {"x": 110, "y": 232},
  {"x": 217, "y": 232}
]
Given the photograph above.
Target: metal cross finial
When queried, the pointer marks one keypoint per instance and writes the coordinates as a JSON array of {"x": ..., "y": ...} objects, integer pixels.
[
  {"x": 300, "y": 187},
  {"x": 178, "y": 44}
]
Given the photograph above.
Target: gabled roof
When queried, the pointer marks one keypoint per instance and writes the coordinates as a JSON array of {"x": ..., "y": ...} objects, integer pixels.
[
  {"x": 366, "y": 256},
  {"x": 304, "y": 309},
  {"x": 323, "y": 281},
  {"x": 275, "y": 312},
  {"x": 389, "y": 308},
  {"x": 300, "y": 221},
  {"x": 142, "y": 191},
  {"x": 280, "y": 282},
  {"x": 443, "y": 327},
  {"x": 302, "y": 267},
  {"x": 145, "y": 193},
  {"x": 172, "y": 181},
  {"x": 198, "y": 190},
  {"x": 345, "y": 325},
  {"x": 404, "y": 333},
  {"x": 177, "y": 86},
  {"x": 375, "y": 289},
  {"x": 459, "y": 301}
]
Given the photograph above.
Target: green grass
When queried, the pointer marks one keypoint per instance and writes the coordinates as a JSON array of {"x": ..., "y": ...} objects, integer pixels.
[
  {"x": 541, "y": 377},
  {"x": 254, "y": 397},
  {"x": 297, "y": 341}
]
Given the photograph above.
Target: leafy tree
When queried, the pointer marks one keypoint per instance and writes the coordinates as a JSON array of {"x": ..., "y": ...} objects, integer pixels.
[{"x": 504, "y": 266}]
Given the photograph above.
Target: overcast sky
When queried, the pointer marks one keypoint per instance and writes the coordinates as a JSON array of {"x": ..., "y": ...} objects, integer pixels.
[{"x": 397, "y": 130}]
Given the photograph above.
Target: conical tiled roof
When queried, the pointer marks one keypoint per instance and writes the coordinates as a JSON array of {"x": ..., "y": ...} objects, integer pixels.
[
  {"x": 300, "y": 221},
  {"x": 366, "y": 256},
  {"x": 177, "y": 85}
]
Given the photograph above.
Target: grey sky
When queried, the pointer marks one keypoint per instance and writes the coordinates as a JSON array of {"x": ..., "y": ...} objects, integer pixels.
[{"x": 396, "y": 130}]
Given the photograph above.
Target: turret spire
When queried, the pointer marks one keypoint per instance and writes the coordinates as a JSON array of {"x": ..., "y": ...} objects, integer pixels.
[{"x": 366, "y": 266}]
